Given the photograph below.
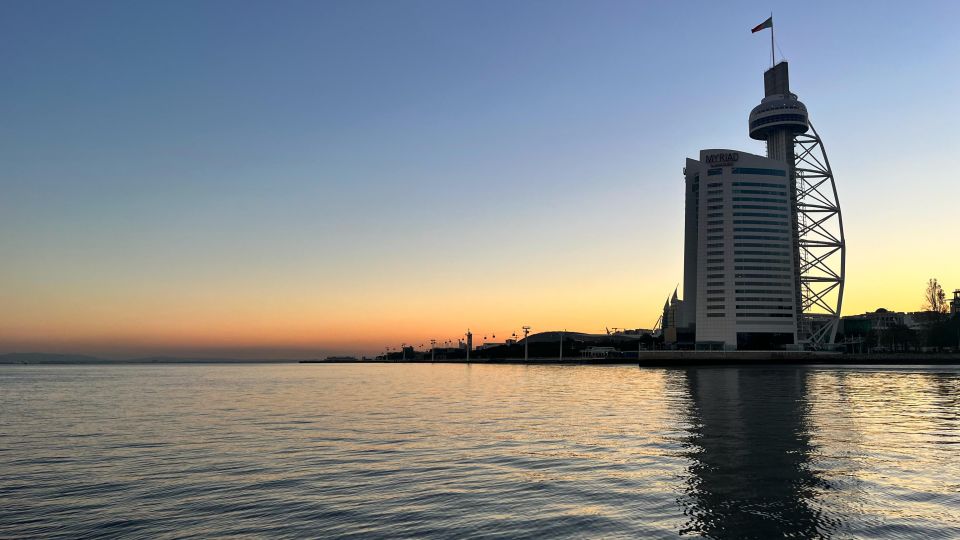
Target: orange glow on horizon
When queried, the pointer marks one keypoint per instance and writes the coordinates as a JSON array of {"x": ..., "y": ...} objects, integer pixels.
[{"x": 366, "y": 322}]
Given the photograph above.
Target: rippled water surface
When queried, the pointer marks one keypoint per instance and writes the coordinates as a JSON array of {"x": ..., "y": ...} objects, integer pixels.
[{"x": 389, "y": 451}]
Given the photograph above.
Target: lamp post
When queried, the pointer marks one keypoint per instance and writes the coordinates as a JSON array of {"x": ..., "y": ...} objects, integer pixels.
[{"x": 526, "y": 344}]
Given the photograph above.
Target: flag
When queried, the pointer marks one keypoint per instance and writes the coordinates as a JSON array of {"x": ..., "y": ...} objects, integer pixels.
[{"x": 765, "y": 24}]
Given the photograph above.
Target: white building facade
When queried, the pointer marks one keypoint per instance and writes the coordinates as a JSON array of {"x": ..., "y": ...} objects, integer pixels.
[{"x": 740, "y": 286}]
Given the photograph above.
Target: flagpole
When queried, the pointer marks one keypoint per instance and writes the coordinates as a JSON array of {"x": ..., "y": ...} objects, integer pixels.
[{"x": 773, "y": 60}]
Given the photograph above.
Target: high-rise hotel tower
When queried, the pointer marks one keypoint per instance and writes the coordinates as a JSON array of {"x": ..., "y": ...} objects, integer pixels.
[{"x": 756, "y": 263}]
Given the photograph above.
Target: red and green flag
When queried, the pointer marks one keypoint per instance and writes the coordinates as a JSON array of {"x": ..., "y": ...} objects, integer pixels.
[{"x": 765, "y": 24}]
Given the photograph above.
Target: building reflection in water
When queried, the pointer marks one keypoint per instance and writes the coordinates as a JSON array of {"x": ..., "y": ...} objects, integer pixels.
[{"x": 750, "y": 451}]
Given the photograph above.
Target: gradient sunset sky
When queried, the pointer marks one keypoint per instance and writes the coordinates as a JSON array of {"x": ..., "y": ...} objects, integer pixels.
[{"x": 304, "y": 178}]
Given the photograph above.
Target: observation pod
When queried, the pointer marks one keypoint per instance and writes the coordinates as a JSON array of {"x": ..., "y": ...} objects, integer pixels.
[
  {"x": 820, "y": 257},
  {"x": 780, "y": 116},
  {"x": 778, "y": 112}
]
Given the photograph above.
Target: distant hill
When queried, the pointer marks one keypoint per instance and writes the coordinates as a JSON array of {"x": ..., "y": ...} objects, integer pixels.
[{"x": 50, "y": 358}]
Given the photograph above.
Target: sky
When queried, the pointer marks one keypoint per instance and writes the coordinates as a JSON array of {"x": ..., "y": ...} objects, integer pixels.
[{"x": 297, "y": 179}]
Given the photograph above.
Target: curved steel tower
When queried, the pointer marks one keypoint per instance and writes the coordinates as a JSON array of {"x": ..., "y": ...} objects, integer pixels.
[{"x": 820, "y": 255}]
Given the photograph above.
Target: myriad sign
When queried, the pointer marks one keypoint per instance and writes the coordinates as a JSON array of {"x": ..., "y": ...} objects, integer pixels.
[{"x": 721, "y": 159}]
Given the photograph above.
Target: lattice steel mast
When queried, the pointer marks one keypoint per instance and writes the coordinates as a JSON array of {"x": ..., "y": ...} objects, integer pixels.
[{"x": 822, "y": 245}]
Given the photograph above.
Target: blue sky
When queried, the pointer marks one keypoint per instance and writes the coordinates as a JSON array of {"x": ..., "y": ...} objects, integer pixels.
[{"x": 261, "y": 166}]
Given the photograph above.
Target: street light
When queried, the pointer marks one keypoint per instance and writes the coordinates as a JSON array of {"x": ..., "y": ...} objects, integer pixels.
[{"x": 526, "y": 344}]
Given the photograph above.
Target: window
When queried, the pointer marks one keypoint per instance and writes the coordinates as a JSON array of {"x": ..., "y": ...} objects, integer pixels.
[
  {"x": 762, "y": 276},
  {"x": 759, "y": 214},
  {"x": 776, "y": 255},
  {"x": 760, "y": 184},
  {"x": 760, "y": 192},
  {"x": 714, "y": 276},
  {"x": 779, "y": 230},
  {"x": 777, "y": 246},
  {"x": 758, "y": 222},
  {"x": 767, "y": 266},
  {"x": 754, "y": 237},
  {"x": 794, "y": 106},
  {"x": 761, "y": 291},
  {"x": 716, "y": 314},
  {"x": 777, "y": 118},
  {"x": 778, "y": 207},
  {"x": 781, "y": 256},
  {"x": 761, "y": 199}
]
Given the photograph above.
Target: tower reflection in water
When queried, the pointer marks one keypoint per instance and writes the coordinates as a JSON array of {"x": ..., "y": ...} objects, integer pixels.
[{"x": 749, "y": 448}]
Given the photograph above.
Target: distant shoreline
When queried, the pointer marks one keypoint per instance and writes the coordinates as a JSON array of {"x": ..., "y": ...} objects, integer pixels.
[
  {"x": 647, "y": 359},
  {"x": 704, "y": 358}
]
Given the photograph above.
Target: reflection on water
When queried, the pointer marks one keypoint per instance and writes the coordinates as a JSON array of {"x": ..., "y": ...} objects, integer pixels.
[
  {"x": 750, "y": 451},
  {"x": 434, "y": 451},
  {"x": 814, "y": 453}
]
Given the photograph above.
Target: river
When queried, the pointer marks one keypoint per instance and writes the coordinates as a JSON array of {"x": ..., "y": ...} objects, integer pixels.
[{"x": 456, "y": 450}]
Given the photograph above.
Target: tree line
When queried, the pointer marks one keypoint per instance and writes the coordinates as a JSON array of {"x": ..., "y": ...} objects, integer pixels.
[{"x": 935, "y": 329}]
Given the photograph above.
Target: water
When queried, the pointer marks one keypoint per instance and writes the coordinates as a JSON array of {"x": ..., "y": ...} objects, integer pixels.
[{"x": 439, "y": 451}]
